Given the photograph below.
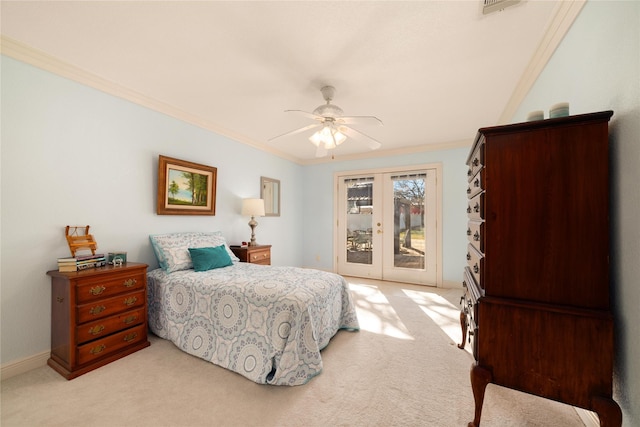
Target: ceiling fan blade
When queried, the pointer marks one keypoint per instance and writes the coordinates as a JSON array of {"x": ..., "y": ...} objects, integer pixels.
[
  {"x": 351, "y": 132},
  {"x": 350, "y": 120},
  {"x": 293, "y": 132},
  {"x": 307, "y": 115},
  {"x": 321, "y": 151}
]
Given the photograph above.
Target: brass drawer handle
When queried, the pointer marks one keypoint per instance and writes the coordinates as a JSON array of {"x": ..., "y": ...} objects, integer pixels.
[
  {"x": 476, "y": 236},
  {"x": 476, "y": 269},
  {"x": 476, "y": 208},
  {"x": 129, "y": 319},
  {"x": 130, "y": 301},
  {"x": 97, "y": 290},
  {"x": 468, "y": 231},
  {"x": 264, "y": 255},
  {"x": 98, "y": 349},
  {"x": 129, "y": 283},
  {"x": 476, "y": 183},
  {"x": 97, "y": 309},
  {"x": 130, "y": 337},
  {"x": 95, "y": 330},
  {"x": 468, "y": 256}
]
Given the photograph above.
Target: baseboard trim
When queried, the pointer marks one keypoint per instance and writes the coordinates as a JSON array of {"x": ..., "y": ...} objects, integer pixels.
[
  {"x": 590, "y": 419},
  {"x": 21, "y": 366},
  {"x": 451, "y": 284}
]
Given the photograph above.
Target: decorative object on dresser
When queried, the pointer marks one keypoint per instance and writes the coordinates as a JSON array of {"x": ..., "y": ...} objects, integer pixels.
[
  {"x": 258, "y": 254},
  {"x": 536, "y": 289},
  {"x": 97, "y": 316},
  {"x": 253, "y": 208},
  {"x": 185, "y": 188},
  {"x": 78, "y": 238}
]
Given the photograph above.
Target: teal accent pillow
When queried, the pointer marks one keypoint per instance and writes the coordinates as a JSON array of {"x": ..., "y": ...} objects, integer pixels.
[{"x": 204, "y": 259}]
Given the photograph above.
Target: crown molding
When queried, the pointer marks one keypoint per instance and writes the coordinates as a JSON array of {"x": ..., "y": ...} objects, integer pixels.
[{"x": 565, "y": 14}]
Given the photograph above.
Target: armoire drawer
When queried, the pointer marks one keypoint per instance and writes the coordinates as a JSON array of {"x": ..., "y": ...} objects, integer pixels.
[
  {"x": 475, "y": 207},
  {"x": 475, "y": 232}
]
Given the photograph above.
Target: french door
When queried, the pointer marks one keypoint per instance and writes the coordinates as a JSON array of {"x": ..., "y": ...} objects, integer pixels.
[{"x": 388, "y": 224}]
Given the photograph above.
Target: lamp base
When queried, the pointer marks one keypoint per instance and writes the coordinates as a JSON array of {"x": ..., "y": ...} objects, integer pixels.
[{"x": 253, "y": 224}]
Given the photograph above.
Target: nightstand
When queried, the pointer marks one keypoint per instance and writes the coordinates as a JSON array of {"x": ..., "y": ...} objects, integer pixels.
[
  {"x": 98, "y": 315},
  {"x": 259, "y": 254}
]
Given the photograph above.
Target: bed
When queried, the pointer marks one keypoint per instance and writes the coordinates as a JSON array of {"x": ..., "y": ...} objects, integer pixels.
[{"x": 266, "y": 323}]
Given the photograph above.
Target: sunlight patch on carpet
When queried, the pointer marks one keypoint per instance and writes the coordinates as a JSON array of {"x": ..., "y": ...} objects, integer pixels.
[
  {"x": 441, "y": 311},
  {"x": 375, "y": 314}
]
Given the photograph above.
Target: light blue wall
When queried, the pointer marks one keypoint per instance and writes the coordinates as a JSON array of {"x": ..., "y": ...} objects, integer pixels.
[
  {"x": 597, "y": 67},
  {"x": 72, "y": 155},
  {"x": 318, "y": 208}
]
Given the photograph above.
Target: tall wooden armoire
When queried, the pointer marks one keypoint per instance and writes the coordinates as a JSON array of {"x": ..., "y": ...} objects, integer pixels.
[{"x": 536, "y": 301}]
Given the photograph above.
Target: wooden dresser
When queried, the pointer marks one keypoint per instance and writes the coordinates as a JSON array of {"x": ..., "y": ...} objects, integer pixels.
[
  {"x": 536, "y": 301},
  {"x": 98, "y": 315},
  {"x": 258, "y": 254}
]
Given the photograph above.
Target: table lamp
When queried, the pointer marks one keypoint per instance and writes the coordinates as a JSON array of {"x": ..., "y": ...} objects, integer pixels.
[{"x": 253, "y": 208}]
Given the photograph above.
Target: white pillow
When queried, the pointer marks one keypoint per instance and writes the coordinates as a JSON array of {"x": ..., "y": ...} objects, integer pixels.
[{"x": 172, "y": 250}]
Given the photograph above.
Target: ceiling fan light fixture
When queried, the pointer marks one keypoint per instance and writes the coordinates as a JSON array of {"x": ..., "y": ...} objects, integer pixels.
[{"x": 324, "y": 136}]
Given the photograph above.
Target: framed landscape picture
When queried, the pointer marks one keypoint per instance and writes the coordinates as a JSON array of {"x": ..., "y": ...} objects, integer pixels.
[{"x": 185, "y": 188}]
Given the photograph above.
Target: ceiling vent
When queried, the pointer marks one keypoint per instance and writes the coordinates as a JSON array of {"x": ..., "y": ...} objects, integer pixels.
[{"x": 496, "y": 5}]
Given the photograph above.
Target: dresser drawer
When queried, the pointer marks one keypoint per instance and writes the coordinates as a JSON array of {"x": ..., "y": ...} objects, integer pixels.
[
  {"x": 103, "y": 347},
  {"x": 475, "y": 185},
  {"x": 93, "y": 289},
  {"x": 475, "y": 233},
  {"x": 475, "y": 207},
  {"x": 109, "y": 306},
  {"x": 475, "y": 260},
  {"x": 103, "y": 327}
]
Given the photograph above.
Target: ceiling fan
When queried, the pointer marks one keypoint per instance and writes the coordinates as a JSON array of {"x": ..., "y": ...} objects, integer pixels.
[{"x": 334, "y": 126}]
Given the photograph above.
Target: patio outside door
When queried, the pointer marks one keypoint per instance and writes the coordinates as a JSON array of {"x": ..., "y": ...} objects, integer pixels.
[{"x": 387, "y": 225}]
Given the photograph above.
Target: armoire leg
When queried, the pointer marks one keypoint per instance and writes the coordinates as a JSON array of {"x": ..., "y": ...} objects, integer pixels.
[
  {"x": 480, "y": 378},
  {"x": 608, "y": 411}
]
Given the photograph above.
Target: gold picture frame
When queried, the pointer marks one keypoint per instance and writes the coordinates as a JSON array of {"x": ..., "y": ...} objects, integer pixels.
[{"x": 185, "y": 188}]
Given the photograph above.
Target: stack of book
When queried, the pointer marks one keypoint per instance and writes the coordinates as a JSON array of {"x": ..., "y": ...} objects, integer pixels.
[
  {"x": 81, "y": 262},
  {"x": 67, "y": 264}
]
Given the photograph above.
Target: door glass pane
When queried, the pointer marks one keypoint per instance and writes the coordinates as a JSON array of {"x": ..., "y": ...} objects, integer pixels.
[
  {"x": 408, "y": 221},
  {"x": 359, "y": 220}
]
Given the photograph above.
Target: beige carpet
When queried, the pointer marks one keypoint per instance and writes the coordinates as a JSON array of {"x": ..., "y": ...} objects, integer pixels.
[{"x": 402, "y": 369}]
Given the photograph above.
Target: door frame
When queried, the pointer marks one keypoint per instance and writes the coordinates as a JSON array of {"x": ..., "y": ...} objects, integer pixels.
[{"x": 437, "y": 166}]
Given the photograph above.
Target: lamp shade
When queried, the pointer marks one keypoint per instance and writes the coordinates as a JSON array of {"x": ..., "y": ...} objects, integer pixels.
[{"x": 253, "y": 207}]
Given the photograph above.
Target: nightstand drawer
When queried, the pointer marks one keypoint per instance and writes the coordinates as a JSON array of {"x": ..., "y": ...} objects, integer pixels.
[
  {"x": 260, "y": 257},
  {"x": 258, "y": 254}
]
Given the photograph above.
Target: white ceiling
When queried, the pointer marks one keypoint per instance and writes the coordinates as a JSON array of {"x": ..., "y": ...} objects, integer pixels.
[{"x": 432, "y": 71}]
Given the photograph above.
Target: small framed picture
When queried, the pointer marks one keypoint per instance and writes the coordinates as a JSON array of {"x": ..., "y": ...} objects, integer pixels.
[{"x": 185, "y": 188}]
